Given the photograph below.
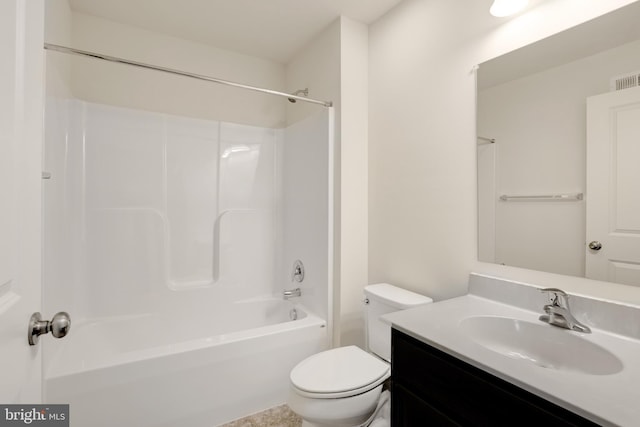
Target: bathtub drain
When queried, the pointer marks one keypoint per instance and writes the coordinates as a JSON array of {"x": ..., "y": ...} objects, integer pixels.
[{"x": 293, "y": 314}]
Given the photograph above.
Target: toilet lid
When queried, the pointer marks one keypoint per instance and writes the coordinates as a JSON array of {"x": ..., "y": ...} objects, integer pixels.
[{"x": 338, "y": 370}]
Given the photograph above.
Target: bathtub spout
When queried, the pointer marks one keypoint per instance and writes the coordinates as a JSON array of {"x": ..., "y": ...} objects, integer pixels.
[{"x": 292, "y": 293}]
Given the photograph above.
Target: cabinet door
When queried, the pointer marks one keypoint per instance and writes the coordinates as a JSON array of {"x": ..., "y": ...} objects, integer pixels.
[
  {"x": 461, "y": 393},
  {"x": 407, "y": 410}
]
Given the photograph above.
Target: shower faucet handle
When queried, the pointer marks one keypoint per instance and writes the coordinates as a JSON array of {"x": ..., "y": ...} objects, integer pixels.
[{"x": 297, "y": 275}]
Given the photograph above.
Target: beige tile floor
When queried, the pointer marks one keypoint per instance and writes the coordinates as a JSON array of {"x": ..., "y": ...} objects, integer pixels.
[{"x": 280, "y": 416}]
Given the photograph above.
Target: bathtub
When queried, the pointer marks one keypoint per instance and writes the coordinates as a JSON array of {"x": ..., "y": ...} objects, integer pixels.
[{"x": 148, "y": 370}]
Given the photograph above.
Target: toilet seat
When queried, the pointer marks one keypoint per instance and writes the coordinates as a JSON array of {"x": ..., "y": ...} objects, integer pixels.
[{"x": 340, "y": 372}]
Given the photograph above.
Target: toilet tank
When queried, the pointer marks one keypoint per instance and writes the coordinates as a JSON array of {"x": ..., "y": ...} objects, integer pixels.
[{"x": 383, "y": 298}]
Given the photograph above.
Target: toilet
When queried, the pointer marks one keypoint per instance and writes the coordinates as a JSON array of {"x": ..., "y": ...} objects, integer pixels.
[{"x": 340, "y": 387}]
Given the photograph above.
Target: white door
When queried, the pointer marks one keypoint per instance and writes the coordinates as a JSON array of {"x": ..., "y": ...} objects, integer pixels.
[
  {"x": 21, "y": 88},
  {"x": 613, "y": 187}
]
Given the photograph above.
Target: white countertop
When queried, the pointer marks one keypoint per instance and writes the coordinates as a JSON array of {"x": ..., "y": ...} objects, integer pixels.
[{"x": 609, "y": 400}]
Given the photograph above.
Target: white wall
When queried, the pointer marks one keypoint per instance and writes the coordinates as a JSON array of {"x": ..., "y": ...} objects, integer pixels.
[
  {"x": 58, "y": 29},
  {"x": 354, "y": 170},
  {"x": 486, "y": 200},
  {"x": 422, "y": 148},
  {"x": 334, "y": 67},
  {"x": 116, "y": 84},
  {"x": 422, "y": 192},
  {"x": 540, "y": 124},
  {"x": 316, "y": 67}
]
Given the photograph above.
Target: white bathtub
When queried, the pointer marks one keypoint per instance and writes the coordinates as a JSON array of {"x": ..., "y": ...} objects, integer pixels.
[{"x": 147, "y": 370}]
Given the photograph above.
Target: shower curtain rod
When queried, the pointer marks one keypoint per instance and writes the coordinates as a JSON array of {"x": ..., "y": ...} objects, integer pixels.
[{"x": 69, "y": 50}]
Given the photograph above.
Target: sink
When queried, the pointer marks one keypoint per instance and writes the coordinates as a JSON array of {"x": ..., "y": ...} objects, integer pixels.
[{"x": 543, "y": 345}]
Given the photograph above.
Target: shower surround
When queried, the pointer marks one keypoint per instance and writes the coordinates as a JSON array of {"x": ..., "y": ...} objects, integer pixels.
[{"x": 169, "y": 240}]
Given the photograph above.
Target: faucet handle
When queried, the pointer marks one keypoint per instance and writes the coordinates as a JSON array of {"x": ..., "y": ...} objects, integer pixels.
[
  {"x": 297, "y": 274},
  {"x": 559, "y": 297},
  {"x": 555, "y": 291}
]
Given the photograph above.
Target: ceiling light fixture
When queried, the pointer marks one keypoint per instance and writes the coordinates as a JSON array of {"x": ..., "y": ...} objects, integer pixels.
[{"x": 502, "y": 8}]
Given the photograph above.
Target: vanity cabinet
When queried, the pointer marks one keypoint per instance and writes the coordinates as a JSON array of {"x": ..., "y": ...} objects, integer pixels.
[{"x": 432, "y": 388}]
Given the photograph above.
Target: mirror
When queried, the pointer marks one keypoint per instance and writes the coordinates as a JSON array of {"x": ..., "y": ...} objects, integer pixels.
[{"x": 541, "y": 183}]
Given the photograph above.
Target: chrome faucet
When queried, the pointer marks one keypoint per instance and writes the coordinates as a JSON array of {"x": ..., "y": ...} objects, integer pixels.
[
  {"x": 558, "y": 314},
  {"x": 292, "y": 293}
]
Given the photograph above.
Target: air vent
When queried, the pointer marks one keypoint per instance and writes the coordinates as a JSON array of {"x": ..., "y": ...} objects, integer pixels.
[{"x": 625, "y": 81}]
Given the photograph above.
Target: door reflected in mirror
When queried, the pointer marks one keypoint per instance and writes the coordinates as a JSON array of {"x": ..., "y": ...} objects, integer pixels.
[{"x": 558, "y": 128}]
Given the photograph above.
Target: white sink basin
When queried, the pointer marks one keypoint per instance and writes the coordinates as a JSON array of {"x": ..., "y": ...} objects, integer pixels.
[{"x": 543, "y": 345}]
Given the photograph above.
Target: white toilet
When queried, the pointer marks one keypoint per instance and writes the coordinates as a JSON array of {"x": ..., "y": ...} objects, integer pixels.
[{"x": 340, "y": 387}]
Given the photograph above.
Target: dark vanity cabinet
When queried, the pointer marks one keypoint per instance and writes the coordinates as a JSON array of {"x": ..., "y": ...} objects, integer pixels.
[{"x": 432, "y": 388}]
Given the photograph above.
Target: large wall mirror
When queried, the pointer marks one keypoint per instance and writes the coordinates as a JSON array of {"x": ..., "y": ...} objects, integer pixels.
[{"x": 559, "y": 152}]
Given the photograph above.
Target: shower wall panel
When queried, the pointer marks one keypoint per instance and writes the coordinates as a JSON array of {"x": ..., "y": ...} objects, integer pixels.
[
  {"x": 146, "y": 206},
  {"x": 306, "y": 182}
]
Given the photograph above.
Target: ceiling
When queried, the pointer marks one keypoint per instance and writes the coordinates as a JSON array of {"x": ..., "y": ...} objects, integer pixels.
[{"x": 271, "y": 29}]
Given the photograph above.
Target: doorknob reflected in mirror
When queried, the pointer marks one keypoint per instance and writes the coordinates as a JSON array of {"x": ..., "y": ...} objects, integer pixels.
[
  {"x": 58, "y": 326},
  {"x": 595, "y": 245}
]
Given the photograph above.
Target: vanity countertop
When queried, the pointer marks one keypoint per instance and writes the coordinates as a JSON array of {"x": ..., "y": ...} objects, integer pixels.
[{"x": 609, "y": 400}]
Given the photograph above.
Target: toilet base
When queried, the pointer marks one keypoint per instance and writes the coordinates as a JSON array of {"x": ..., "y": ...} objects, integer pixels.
[{"x": 354, "y": 411}]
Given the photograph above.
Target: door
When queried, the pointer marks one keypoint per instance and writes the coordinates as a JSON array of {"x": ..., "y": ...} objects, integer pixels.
[
  {"x": 21, "y": 88},
  {"x": 613, "y": 187}
]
